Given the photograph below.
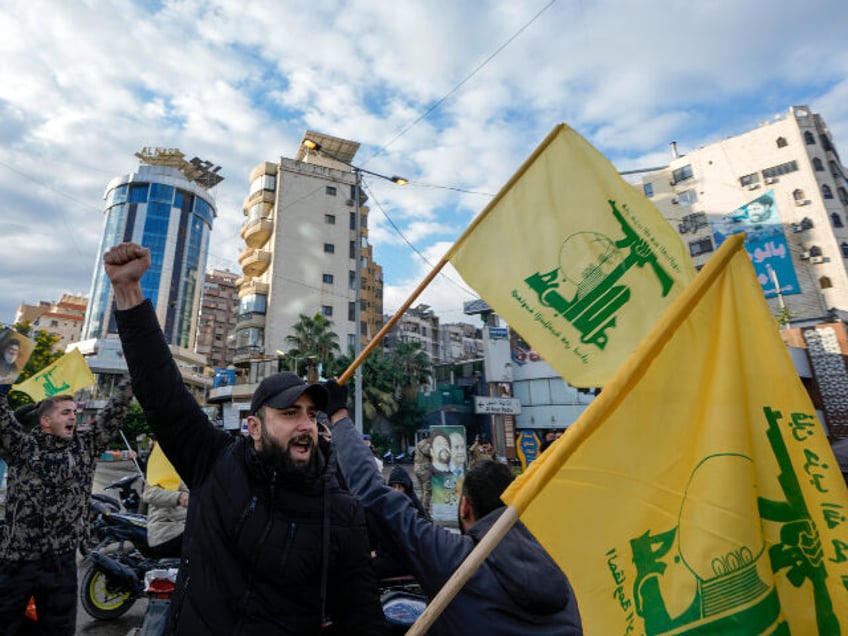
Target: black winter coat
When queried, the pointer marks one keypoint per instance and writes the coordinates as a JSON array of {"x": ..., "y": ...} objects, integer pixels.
[{"x": 255, "y": 548}]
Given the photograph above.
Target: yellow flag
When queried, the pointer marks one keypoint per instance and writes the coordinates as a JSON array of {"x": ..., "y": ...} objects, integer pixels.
[
  {"x": 67, "y": 375},
  {"x": 698, "y": 493},
  {"x": 160, "y": 471},
  {"x": 575, "y": 259}
]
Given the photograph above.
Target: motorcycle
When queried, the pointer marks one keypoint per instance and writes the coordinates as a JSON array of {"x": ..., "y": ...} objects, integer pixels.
[
  {"x": 129, "y": 497},
  {"x": 118, "y": 565}
]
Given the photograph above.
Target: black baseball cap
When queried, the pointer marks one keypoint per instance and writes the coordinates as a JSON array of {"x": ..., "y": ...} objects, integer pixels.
[{"x": 281, "y": 390}]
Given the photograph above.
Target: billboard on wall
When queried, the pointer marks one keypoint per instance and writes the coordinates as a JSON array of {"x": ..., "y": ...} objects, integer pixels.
[
  {"x": 765, "y": 243},
  {"x": 448, "y": 457}
]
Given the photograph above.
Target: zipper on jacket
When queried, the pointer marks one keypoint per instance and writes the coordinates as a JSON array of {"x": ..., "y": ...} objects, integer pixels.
[{"x": 246, "y": 514}]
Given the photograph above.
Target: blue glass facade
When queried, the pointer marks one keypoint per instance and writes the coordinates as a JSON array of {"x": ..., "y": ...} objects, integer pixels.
[{"x": 174, "y": 223}]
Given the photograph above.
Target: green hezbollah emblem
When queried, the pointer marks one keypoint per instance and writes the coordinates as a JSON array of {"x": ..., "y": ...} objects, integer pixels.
[{"x": 590, "y": 267}]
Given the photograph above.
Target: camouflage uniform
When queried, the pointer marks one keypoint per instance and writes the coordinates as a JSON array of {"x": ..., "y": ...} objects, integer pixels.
[
  {"x": 47, "y": 503},
  {"x": 423, "y": 471}
]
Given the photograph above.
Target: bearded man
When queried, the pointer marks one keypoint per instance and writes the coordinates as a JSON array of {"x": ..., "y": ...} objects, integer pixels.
[{"x": 273, "y": 542}]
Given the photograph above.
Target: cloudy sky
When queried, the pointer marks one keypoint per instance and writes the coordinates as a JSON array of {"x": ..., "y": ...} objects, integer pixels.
[{"x": 452, "y": 94}]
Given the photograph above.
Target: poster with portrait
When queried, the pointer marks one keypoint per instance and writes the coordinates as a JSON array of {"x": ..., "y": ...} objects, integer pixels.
[
  {"x": 448, "y": 459},
  {"x": 765, "y": 243},
  {"x": 15, "y": 350}
]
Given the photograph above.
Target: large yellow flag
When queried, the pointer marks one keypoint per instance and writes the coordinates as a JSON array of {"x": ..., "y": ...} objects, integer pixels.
[
  {"x": 67, "y": 375},
  {"x": 698, "y": 493},
  {"x": 574, "y": 258}
]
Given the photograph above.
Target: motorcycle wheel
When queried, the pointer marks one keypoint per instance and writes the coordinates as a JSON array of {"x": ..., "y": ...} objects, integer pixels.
[{"x": 101, "y": 599}]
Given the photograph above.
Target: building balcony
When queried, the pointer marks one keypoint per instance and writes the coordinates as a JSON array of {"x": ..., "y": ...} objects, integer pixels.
[
  {"x": 248, "y": 286},
  {"x": 254, "y": 262},
  {"x": 255, "y": 232}
]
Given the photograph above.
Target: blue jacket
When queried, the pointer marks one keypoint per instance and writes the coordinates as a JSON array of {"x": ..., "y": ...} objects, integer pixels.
[{"x": 518, "y": 590}]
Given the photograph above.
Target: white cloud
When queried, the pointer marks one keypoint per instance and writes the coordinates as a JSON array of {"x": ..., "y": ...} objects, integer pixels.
[{"x": 237, "y": 84}]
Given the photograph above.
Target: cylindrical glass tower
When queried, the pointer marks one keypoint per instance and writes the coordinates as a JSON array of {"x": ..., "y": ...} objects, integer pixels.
[{"x": 160, "y": 208}]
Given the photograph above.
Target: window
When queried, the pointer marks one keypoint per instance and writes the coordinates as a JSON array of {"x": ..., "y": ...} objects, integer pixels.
[
  {"x": 351, "y": 250},
  {"x": 809, "y": 138},
  {"x": 818, "y": 166},
  {"x": 815, "y": 250},
  {"x": 263, "y": 182},
  {"x": 330, "y": 190},
  {"x": 798, "y": 194},
  {"x": 825, "y": 140},
  {"x": 834, "y": 169},
  {"x": 351, "y": 311},
  {"x": 781, "y": 142},
  {"x": 825, "y": 282},
  {"x": 138, "y": 193},
  {"x": 783, "y": 168},
  {"x": 749, "y": 179},
  {"x": 327, "y": 310},
  {"x": 836, "y": 220},
  {"x": 702, "y": 246},
  {"x": 687, "y": 197},
  {"x": 351, "y": 279},
  {"x": 327, "y": 279},
  {"x": 682, "y": 174},
  {"x": 352, "y": 221},
  {"x": 330, "y": 219},
  {"x": 843, "y": 195},
  {"x": 329, "y": 248},
  {"x": 648, "y": 189},
  {"x": 54, "y": 323},
  {"x": 844, "y": 248},
  {"x": 253, "y": 304},
  {"x": 692, "y": 222},
  {"x": 827, "y": 193},
  {"x": 162, "y": 193}
]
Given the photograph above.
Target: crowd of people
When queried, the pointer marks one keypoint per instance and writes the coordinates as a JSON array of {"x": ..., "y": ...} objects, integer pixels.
[{"x": 285, "y": 527}]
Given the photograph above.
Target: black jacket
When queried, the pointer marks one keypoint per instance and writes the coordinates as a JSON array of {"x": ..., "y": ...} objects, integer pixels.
[{"x": 255, "y": 548}]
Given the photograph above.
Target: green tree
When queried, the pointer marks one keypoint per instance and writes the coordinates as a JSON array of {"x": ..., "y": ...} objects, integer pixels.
[
  {"x": 378, "y": 385},
  {"x": 413, "y": 368},
  {"x": 43, "y": 355},
  {"x": 313, "y": 342}
]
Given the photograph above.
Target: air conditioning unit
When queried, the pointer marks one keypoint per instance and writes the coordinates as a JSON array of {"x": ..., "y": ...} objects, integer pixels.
[
  {"x": 800, "y": 202},
  {"x": 804, "y": 256},
  {"x": 753, "y": 186},
  {"x": 796, "y": 227},
  {"x": 770, "y": 180},
  {"x": 817, "y": 260}
]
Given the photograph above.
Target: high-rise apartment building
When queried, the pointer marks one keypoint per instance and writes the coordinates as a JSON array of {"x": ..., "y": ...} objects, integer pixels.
[
  {"x": 217, "y": 318},
  {"x": 299, "y": 250},
  {"x": 785, "y": 186},
  {"x": 300, "y": 259}
]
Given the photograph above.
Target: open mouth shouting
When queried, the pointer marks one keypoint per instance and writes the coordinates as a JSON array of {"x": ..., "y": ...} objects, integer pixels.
[{"x": 300, "y": 447}]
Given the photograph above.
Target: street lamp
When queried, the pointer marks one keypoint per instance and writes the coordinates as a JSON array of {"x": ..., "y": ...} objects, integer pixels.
[{"x": 311, "y": 144}]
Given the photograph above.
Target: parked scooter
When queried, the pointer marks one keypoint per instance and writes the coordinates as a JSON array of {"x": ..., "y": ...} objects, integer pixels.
[{"x": 119, "y": 563}]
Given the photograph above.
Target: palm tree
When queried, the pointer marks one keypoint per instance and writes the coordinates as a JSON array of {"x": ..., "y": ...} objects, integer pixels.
[
  {"x": 378, "y": 384},
  {"x": 413, "y": 367},
  {"x": 315, "y": 341}
]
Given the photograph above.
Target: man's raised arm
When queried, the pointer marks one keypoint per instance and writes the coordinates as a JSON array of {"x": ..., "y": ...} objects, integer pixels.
[{"x": 125, "y": 264}]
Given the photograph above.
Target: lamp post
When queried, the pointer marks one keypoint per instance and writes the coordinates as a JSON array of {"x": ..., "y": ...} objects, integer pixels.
[{"x": 357, "y": 274}]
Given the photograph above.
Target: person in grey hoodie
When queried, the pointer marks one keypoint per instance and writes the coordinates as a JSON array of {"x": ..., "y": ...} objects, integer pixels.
[{"x": 518, "y": 589}]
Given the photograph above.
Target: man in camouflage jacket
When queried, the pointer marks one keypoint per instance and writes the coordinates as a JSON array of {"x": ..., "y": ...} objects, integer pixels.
[{"x": 51, "y": 468}]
